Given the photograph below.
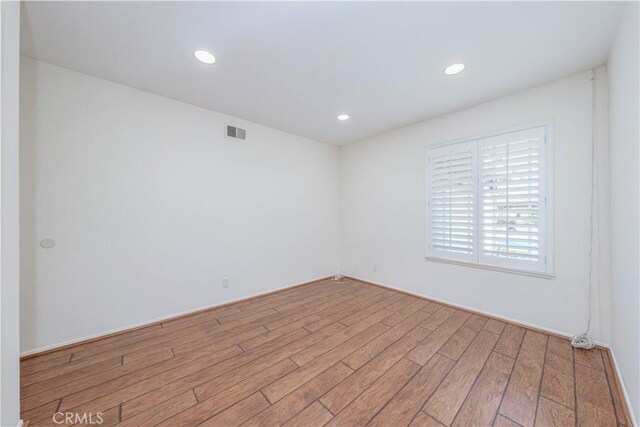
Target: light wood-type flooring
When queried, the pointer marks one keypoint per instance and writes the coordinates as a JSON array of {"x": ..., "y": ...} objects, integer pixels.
[{"x": 326, "y": 354}]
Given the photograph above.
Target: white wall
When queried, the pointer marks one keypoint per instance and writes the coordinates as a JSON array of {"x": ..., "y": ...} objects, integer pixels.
[
  {"x": 624, "y": 114},
  {"x": 383, "y": 210},
  {"x": 151, "y": 206},
  {"x": 9, "y": 218}
]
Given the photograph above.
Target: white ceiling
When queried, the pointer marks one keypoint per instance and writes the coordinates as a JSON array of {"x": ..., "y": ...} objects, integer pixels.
[{"x": 296, "y": 65}]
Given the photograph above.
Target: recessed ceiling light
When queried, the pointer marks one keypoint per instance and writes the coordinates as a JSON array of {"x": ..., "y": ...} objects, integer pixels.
[
  {"x": 204, "y": 56},
  {"x": 343, "y": 117},
  {"x": 454, "y": 69}
]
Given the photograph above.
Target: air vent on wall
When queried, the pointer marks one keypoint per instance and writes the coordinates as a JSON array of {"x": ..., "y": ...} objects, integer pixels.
[{"x": 236, "y": 133}]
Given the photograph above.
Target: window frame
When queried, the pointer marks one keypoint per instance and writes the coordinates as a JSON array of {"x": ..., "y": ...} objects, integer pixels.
[{"x": 546, "y": 183}]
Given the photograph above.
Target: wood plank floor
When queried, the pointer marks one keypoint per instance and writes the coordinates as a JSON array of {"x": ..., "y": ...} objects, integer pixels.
[{"x": 348, "y": 354}]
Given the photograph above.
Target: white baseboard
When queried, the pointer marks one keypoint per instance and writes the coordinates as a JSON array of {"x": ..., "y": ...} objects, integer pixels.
[
  {"x": 624, "y": 389},
  {"x": 158, "y": 319},
  {"x": 475, "y": 310}
]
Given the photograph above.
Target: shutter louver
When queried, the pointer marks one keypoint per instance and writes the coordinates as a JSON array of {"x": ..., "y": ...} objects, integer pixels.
[
  {"x": 452, "y": 205},
  {"x": 511, "y": 192}
]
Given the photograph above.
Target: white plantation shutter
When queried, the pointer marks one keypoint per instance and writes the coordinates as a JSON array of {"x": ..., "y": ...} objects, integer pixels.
[
  {"x": 451, "y": 193},
  {"x": 512, "y": 192},
  {"x": 487, "y": 201}
]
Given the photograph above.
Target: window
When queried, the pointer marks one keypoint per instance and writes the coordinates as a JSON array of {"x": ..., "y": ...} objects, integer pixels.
[{"x": 487, "y": 200}]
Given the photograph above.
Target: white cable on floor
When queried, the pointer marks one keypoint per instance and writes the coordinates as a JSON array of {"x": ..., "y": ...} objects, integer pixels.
[
  {"x": 339, "y": 277},
  {"x": 584, "y": 340}
]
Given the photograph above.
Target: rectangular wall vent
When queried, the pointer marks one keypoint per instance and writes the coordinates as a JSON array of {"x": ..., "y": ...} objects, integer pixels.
[{"x": 236, "y": 133}]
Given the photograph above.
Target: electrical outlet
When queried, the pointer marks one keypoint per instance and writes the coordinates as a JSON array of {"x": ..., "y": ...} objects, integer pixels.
[
  {"x": 374, "y": 267},
  {"x": 225, "y": 282}
]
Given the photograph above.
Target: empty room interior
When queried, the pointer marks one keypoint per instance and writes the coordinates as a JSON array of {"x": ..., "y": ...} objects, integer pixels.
[{"x": 320, "y": 214}]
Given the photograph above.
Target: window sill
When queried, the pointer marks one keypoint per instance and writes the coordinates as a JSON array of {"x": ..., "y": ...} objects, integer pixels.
[{"x": 538, "y": 274}]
